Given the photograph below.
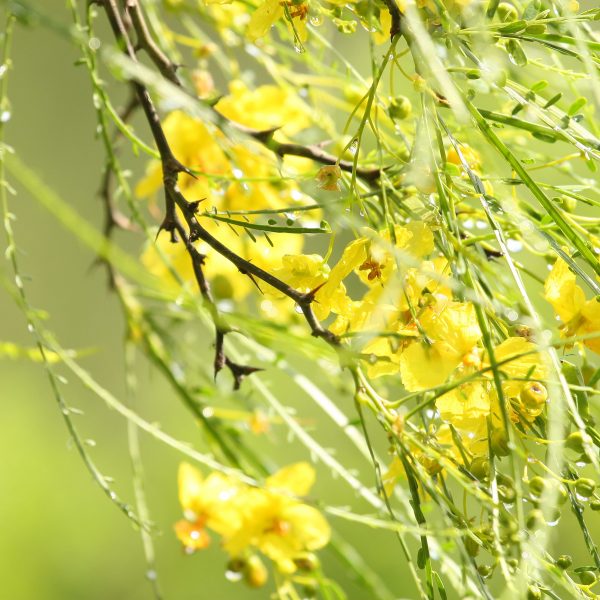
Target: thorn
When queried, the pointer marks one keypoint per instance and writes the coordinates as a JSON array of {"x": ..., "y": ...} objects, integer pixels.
[
  {"x": 252, "y": 278},
  {"x": 193, "y": 206},
  {"x": 309, "y": 297},
  {"x": 239, "y": 372}
]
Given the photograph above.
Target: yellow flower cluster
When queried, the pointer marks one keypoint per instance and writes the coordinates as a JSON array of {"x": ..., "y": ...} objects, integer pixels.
[
  {"x": 420, "y": 331},
  {"x": 229, "y": 177},
  {"x": 270, "y": 520}
]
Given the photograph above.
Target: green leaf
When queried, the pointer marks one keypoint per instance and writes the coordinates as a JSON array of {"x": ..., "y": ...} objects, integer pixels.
[
  {"x": 578, "y": 104},
  {"x": 516, "y": 53}
]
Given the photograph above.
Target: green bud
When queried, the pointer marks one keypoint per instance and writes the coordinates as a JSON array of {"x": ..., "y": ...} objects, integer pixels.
[
  {"x": 587, "y": 577},
  {"x": 499, "y": 442},
  {"x": 507, "y": 12},
  {"x": 506, "y": 494},
  {"x": 485, "y": 570},
  {"x": 480, "y": 467},
  {"x": 400, "y": 108},
  {"x": 535, "y": 519},
  {"x": 537, "y": 485},
  {"x": 577, "y": 441},
  {"x": 568, "y": 204},
  {"x": 564, "y": 561},
  {"x": 585, "y": 487},
  {"x": 472, "y": 547},
  {"x": 533, "y": 592}
]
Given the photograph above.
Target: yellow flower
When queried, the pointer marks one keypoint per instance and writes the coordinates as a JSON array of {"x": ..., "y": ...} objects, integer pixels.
[
  {"x": 279, "y": 525},
  {"x": 453, "y": 333},
  {"x": 470, "y": 155},
  {"x": 270, "y": 11},
  {"x": 309, "y": 273},
  {"x": 266, "y": 107},
  {"x": 579, "y": 316},
  {"x": 206, "y": 503},
  {"x": 465, "y": 402},
  {"x": 521, "y": 366},
  {"x": 329, "y": 178}
]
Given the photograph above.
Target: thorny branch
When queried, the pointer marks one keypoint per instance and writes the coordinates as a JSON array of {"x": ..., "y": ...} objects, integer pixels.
[{"x": 171, "y": 168}]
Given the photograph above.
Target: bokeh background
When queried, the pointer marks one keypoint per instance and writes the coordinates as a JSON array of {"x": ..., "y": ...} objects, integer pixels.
[{"x": 60, "y": 538}]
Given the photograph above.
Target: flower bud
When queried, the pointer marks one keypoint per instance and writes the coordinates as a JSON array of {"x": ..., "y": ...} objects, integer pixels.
[
  {"x": 506, "y": 494},
  {"x": 564, "y": 561},
  {"x": 480, "y": 467},
  {"x": 533, "y": 592},
  {"x": 533, "y": 395},
  {"x": 485, "y": 571},
  {"x": 587, "y": 577},
  {"x": 507, "y": 12},
  {"x": 568, "y": 204},
  {"x": 307, "y": 562},
  {"x": 577, "y": 441},
  {"x": 535, "y": 519},
  {"x": 400, "y": 108},
  {"x": 499, "y": 442},
  {"x": 255, "y": 572},
  {"x": 585, "y": 487},
  {"x": 472, "y": 547},
  {"x": 537, "y": 485}
]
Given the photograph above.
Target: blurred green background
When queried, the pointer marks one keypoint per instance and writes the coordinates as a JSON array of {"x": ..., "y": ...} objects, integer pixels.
[{"x": 61, "y": 538}]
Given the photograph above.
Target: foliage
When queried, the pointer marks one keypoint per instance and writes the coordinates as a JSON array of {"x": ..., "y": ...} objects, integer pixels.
[{"x": 400, "y": 198}]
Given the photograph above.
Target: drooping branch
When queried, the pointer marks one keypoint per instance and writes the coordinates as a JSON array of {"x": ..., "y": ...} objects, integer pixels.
[
  {"x": 171, "y": 168},
  {"x": 168, "y": 69}
]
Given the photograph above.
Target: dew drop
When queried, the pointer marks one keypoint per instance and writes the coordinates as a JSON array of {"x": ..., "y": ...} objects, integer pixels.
[
  {"x": 316, "y": 20},
  {"x": 233, "y": 575},
  {"x": 514, "y": 245},
  {"x": 151, "y": 575},
  {"x": 5, "y": 116}
]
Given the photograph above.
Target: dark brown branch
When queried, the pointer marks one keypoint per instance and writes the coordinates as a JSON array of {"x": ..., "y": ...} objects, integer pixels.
[
  {"x": 221, "y": 359},
  {"x": 319, "y": 155},
  {"x": 171, "y": 168},
  {"x": 113, "y": 217},
  {"x": 168, "y": 70},
  {"x": 396, "y": 26},
  {"x": 145, "y": 42}
]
